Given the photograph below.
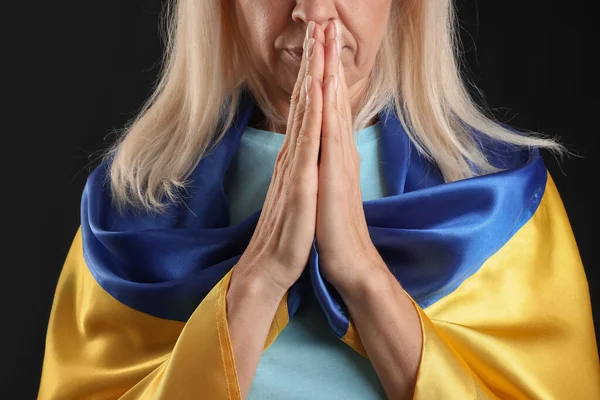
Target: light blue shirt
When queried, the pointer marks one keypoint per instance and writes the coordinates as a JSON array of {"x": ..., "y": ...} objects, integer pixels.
[{"x": 306, "y": 361}]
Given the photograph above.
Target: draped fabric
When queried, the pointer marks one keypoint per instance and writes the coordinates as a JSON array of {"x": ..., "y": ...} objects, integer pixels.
[{"x": 490, "y": 264}]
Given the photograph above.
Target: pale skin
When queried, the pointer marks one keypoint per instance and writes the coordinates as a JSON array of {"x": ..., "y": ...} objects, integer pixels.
[
  {"x": 270, "y": 27},
  {"x": 322, "y": 197}
]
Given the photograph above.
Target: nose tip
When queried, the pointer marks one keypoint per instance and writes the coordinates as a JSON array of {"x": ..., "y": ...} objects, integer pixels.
[{"x": 321, "y": 12}]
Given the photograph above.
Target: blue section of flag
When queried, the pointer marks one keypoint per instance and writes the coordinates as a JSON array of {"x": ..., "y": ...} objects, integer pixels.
[{"x": 432, "y": 235}]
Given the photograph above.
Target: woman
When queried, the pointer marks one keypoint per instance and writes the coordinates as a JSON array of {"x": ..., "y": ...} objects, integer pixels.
[{"x": 434, "y": 244}]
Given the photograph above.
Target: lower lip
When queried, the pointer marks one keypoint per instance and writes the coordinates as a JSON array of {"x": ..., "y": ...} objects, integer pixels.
[
  {"x": 297, "y": 58},
  {"x": 294, "y": 56}
]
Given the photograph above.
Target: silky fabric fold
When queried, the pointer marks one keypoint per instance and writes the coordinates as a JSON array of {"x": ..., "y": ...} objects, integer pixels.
[
  {"x": 431, "y": 235},
  {"x": 489, "y": 263}
]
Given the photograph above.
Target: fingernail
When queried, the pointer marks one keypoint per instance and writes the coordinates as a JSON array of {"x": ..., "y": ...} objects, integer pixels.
[
  {"x": 311, "y": 46},
  {"x": 338, "y": 45},
  {"x": 311, "y": 30},
  {"x": 308, "y": 84},
  {"x": 338, "y": 28},
  {"x": 335, "y": 82}
]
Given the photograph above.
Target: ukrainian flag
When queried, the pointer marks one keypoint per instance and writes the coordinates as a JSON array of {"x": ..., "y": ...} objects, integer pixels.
[{"x": 490, "y": 263}]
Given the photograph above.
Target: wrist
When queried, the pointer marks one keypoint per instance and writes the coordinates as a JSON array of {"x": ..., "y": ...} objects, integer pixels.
[
  {"x": 373, "y": 279},
  {"x": 254, "y": 285}
]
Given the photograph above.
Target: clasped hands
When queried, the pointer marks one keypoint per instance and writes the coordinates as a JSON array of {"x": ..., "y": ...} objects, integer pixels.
[{"x": 347, "y": 255}]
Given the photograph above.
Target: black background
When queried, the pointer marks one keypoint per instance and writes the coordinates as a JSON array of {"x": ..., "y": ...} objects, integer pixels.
[{"x": 93, "y": 64}]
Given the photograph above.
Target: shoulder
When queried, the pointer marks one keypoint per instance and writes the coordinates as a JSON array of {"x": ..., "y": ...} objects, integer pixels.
[
  {"x": 98, "y": 209},
  {"x": 98, "y": 178},
  {"x": 507, "y": 153},
  {"x": 100, "y": 212}
]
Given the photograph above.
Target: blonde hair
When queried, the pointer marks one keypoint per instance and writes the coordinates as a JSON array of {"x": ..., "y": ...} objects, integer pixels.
[{"x": 416, "y": 70}]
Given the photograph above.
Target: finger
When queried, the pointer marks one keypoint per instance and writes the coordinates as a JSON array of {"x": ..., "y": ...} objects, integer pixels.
[
  {"x": 344, "y": 96},
  {"x": 331, "y": 112},
  {"x": 344, "y": 114},
  {"x": 309, "y": 132},
  {"x": 296, "y": 94},
  {"x": 331, "y": 52},
  {"x": 332, "y": 67},
  {"x": 309, "y": 138},
  {"x": 297, "y": 117},
  {"x": 320, "y": 38},
  {"x": 343, "y": 92},
  {"x": 314, "y": 64},
  {"x": 297, "y": 103},
  {"x": 343, "y": 100},
  {"x": 315, "y": 71},
  {"x": 331, "y": 156}
]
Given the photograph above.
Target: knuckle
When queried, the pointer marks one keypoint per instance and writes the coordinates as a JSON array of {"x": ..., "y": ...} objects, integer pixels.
[
  {"x": 287, "y": 186},
  {"x": 299, "y": 80},
  {"x": 290, "y": 181},
  {"x": 305, "y": 138},
  {"x": 279, "y": 168},
  {"x": 301, "y": 139},
  {"x": 299, "y": 115},
  {"x": 295, "y": 95},
  {"x": 280, "y": 161},
  {"x": 298, "y": 181},
  {"x": 280, "y": 157}
]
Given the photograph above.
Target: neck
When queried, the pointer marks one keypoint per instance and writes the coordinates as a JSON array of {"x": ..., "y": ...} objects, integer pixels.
[
  {"x": 258, "y": 121},
  {"x": 281, "y": 100}
]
